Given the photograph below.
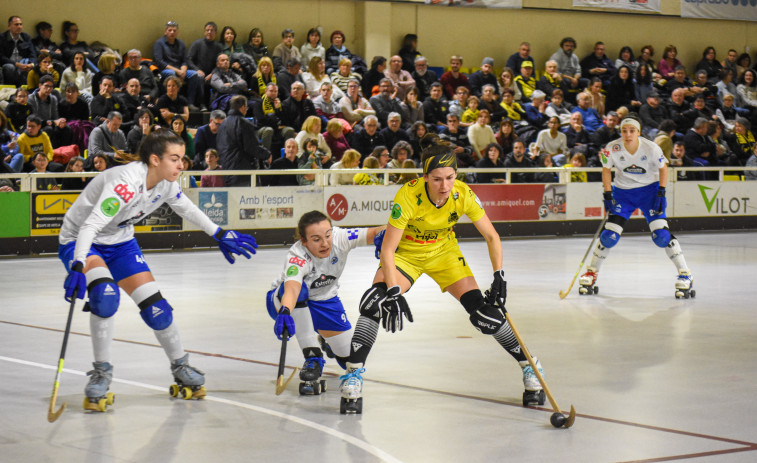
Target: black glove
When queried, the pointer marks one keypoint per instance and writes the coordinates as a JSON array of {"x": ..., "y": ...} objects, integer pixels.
[
  {"x": 660, "y": 202},
  {"x": 487, "y": 319},
  {"x": 393, "y": 307},
  {"x": 498, "y": 292},
  {"x": 609, "y": 201}
]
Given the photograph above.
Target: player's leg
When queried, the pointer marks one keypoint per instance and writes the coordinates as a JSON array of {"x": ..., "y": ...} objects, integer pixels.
[
  {"x": 330, "y": 320},
  {"x": 662, "y": 237}
]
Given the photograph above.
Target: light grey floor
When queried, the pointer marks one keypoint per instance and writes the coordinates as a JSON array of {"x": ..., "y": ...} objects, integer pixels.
[{"x": 652, "y": 378}]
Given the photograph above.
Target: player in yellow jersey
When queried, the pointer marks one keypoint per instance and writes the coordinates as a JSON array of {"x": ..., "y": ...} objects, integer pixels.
[{"x": 419, "y": 239}]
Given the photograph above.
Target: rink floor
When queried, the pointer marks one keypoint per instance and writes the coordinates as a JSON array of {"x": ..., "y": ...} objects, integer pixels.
[{"x": 652, "y": 378}]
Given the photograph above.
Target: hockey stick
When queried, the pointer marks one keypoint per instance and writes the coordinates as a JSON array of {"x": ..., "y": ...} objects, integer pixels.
[
  {"x": 280, "y": 383},
  {"x": 52, "y": 415},
  {"x": 558, "y": 419},
  {"x": 580, "y": 266}
]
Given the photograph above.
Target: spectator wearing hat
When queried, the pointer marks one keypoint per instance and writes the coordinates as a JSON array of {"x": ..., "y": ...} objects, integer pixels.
[
  {"x": 525, "y": 81},
  {"x": 652, "y": 113},
  {"x": 482, "y": 77}
]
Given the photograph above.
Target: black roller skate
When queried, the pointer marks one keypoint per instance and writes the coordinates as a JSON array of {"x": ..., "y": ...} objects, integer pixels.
[
  {"x": 586, "y": 283},
  {"x": 352, "y": 390},
  {"x": 97, "y": 396},
  {"x": 685, "y": 286},
  {"x": 534, "y": 394},
  {"x": 189, "y": 380},
  {"x": 310, "y": 375}
]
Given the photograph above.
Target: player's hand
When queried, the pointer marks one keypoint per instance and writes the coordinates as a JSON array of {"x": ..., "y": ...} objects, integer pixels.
[
  {"x": 378, "y": 240},
  {"x": 660, "y": 202},
  {"x": 487, "y": 319},
  {"x": 232, "y": 242},
  {"x": 284, "y": 321},
  {"x": 498, "y": 292},
  {"x": 393, "y": 307},
  {"x": 609, "y": 201},
  {"x": 76, "y": 283}
]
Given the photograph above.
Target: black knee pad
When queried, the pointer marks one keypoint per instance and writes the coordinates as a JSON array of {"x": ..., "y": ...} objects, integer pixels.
[
  {"x": 472, "y": 300},
  {"x": 369, "y": 303}
]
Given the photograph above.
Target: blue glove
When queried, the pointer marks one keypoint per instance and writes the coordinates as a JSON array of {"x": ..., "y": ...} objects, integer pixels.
[
  {"x": 232, "y": 242},
  {"x": 284, "y": 321},
  {"x": 378, "y": 240},
  {"x": 393, "y": 307},
  {"x": 660, "y": 202},
  {"x": 76, "y": 282},
  {"x": 609, "y": 201}
]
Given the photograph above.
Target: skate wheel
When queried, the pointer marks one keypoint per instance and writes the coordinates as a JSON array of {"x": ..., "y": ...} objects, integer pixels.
[
  {"x": 173, "y": 389},
  {"x": 679, "y": 294},
  {"x": 186, "y": 393},
  {"x": 102, "y": 404},
  {"x": 343, "y": 406},
  {"x": 596, "y": 289},
  {"x": 351, "y": 406},
  {"x": 531, "y": 398},
  {"x": 110, "y": 398},
  {"x": 582, "y": 290},
  {"x": 323, "y": 385},
  {"x": 306, "y": 389},
  {"x": 200, "y": 393},
  {"x": 86, "y": 404},
  {"x": 693, "y": 293},
  {"x": 686, "y": 295}
]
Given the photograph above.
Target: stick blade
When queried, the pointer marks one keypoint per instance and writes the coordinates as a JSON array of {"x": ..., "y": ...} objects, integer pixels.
[
  {"x": 281, "y": 384},
  {"x": 564, "y": 294},
  {"x": 52, "y": 416},
  {"x": 571, "y": 418}
]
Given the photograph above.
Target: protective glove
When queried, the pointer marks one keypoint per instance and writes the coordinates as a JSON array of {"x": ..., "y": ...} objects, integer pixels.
[
  {"x": 76, "y": 282},
  {"x": 232, "y": 242},
  {"x": 378, "y": 240},
  {"x": 497, "y": 294},
  {"x": 393, "y": 307},
  {"x": 609, "y": 201},
  {"x": 660, "y": 202},
  {"x": 284, "y": 321}
]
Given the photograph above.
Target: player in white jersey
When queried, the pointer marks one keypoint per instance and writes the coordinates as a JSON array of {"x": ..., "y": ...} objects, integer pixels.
[
  {"x": 100, "y": 253},
  {"x": 304, "y": 296},
  {"x": 641, "y": 176}
]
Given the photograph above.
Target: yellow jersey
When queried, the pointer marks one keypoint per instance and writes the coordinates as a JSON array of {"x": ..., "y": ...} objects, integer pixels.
[{"x": 425, "y": 226}]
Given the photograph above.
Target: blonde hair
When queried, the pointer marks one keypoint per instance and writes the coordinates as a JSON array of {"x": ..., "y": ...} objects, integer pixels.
[
  {"x": 371, "y": 163},
  {"x": 404, "y": 178},
  {"x": 107, "y": 62},
  {"x": 351, "y": 157},
  {"x": 268, "y": 61},
  {"x": 313, "y": 67},
  {"x": 346, "y": 61},
  {"x": 310, "y": 124},
  {"x": 334, "y": 127}
]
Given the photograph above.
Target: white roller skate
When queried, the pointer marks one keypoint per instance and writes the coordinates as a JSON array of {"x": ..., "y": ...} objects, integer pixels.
[
  {"x": 352, "y": 390},
  {"x": 97, "y": 396},
  {"x": 586, "y": 282},
  {"x": 189, "y": 380},
  {"x": 685, "y": 286},
  {"x": 533, "y": 395},
  {"x": 310, "y": 376}
]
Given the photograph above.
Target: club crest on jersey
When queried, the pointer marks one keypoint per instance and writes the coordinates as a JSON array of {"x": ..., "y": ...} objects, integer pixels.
[
  {"x": 297, "y": 261},
  {"x": 419, "y": 200},
  {"x": 453, "y": 217},
  {"x": 110, "y": 207},
  {"x": 396, "y": 211},
  {"x": 603, "y": 154},
  {"x": 352, "y": 234},
  {"x": 292, "y": 271},
  {"x": 455, "y": 195},
  {"x": 616, "y": 147},
  {"x": 334, "y": 260},
  {"x": 323, "y": 280},
  {"x": 413, "y": 182},
  {"x": 634, "y": 169}
]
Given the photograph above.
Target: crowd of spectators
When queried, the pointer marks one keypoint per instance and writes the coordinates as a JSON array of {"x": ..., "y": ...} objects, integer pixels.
[{"x": 319, "y": 106}]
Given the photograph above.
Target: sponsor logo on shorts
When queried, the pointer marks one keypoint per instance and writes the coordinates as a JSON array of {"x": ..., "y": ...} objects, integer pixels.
[
  {"x": 323, "y": 280},
  {"x": 297, "y": 261},
  {"x": 292, "y": 271},
  {"x": 396, "y": 211},
  {"x": 110, "y": 207}
]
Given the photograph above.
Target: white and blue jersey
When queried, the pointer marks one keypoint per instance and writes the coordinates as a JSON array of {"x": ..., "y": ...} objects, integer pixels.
[
  {"x": 101, "y": 220},
  {"x": 637, "y": 177},
  {"x": 319, "y": 278}
]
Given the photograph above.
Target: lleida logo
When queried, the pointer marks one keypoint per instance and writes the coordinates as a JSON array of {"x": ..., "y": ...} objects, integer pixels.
[
  {"x": 292, "y": 271},
  {"x": 215, "y": 204},
  {"x": 396, "y": 211},
  {"x": 110, "y": 207},
  {"x": 720, "y": 205}
]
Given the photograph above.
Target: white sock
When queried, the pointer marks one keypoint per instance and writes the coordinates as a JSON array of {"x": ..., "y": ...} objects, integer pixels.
[
  {"x": 101, "y": 330},
  {"x": 171, "y": 341},
  {"x": 304, "y": 331}
]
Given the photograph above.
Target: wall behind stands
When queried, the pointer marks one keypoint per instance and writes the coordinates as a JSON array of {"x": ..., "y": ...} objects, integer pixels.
[{"x": 474, "y": 33}]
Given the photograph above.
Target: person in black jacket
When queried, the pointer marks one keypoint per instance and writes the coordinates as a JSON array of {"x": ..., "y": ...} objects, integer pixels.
[
  {"x": 296, "y": 108},
  {"x": 238, "y": 146},
  {"x": 15, "y": 67}
]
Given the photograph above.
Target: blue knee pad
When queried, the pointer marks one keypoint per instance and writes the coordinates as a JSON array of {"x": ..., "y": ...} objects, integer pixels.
[
  {"x": 270, "y": 304},
  {"x": 104, "y": 297},
  {"x": 661, "y": 237},
  {"x": 609, "y": 238},
  {"x": 156, "y": 312}
]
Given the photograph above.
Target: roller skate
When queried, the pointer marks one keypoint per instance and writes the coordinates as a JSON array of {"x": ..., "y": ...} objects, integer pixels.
[
  {"x": 310, "y": 376},
  {"x": 189, "y": 380},
  {"x": 352, "y": 390},
  {"x": 685, "y": 286},
  {"x": 587, "y": 281},
  {"x": 534, "y": 394},
  {"x": 97, "y": 396}
]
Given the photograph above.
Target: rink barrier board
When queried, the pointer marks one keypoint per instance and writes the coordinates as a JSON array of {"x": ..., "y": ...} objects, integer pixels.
[{"x": 271, "y": 213}]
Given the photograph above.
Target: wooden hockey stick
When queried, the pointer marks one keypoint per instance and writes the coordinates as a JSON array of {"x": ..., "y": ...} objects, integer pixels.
[
  {"x": 280, "y": 383},
  {"x": 580, "y": 266},
  {"x": 53, "y": 415},
  {"x": 558, "y": 419}
]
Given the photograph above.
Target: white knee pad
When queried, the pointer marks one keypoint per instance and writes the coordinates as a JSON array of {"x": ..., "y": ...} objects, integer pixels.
[
  {"x": 340, "y": 344},
  {"x": 303, "y": 322}
]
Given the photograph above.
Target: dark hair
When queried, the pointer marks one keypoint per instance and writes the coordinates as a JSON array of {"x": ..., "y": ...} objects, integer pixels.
[
  {"x": 667, "y": 51},
  {"x": 568, "y": 39},
  {"x": 407, "y": 42},
  {"x": 754, "y": 78},
  {"x": 377, "y": 61},
  {"x": 667, "y": 125},
  {"x": 43, "y": 26},
  {"x": 493, "y": 145},
  {"x": 650, "y": 48},
  {"x": 237, "y": 102},
  {"x": 73, "y": 65},
  {"x": 66, "y": 26},
  {"x": 286, "y": 32},
  {"x": 308, "y": 219},
  {"x": 211, "y": 23},
  {"x": 338, "y": 32},
  {"x": 625, "y": 49},
  {"x": 707, "y": 50},
  {"x": 313, "y": 30},
  {"x": 223, "y": 32},
  {"x": 156, "y": 143},
  {"x": 643, "y": 79},
  {"x": 253, "y": 32},
  {"x": 105, "y": 159},
  {"x": 46, "y": 78},
  {"x": 678, "y": 143},
  {"x": 401, "y": 145},
  {"x": 742, "y": 57}
]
